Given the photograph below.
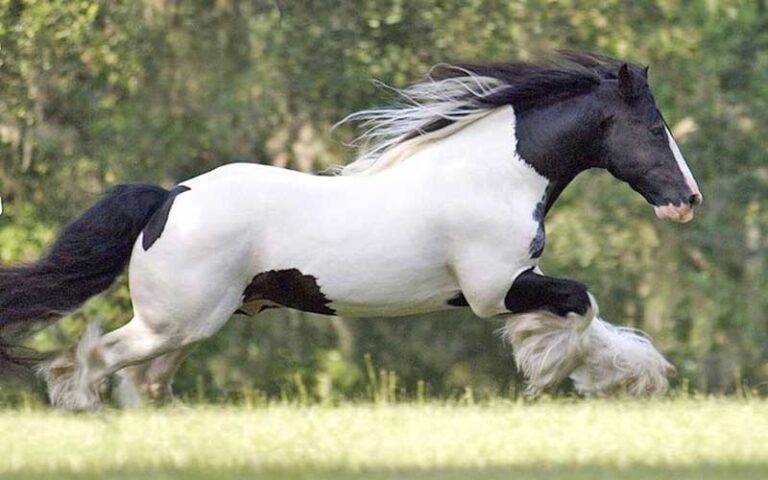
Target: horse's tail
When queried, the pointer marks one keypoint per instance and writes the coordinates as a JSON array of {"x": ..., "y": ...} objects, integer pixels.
[{"x": 87, "y": 256}]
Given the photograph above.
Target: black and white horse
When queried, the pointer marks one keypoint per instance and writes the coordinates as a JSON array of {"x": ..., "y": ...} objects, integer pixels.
[{"x": 444, "y": 209}]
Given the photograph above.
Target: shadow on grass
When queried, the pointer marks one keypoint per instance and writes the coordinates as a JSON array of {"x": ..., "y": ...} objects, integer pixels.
[{"x": 702, "y": 472}]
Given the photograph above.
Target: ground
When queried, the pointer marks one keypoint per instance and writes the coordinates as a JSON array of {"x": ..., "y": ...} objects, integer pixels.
[{"x": 550, "y": 439}]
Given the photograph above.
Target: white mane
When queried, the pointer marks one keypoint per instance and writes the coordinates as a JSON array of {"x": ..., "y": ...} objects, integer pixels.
[{"x": 392, "y": 134}]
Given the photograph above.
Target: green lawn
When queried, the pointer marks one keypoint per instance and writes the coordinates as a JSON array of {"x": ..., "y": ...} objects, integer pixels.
[{"x": 585, "y": 439}]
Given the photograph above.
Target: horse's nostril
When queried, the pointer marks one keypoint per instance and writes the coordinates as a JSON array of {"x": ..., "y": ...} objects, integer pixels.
[{"x": 695, "y": 199}]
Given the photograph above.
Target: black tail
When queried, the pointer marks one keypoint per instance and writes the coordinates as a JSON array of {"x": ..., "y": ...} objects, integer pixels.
[{"x": 89, "y": 253}]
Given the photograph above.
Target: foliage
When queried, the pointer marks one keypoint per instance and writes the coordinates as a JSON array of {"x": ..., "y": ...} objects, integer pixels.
[{"x": 93, "y": 93}]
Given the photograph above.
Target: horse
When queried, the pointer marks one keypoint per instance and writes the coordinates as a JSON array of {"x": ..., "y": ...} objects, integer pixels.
[{"x": 444, "y": 208}]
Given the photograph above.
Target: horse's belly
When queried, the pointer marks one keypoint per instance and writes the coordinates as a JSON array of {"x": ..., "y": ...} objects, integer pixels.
[
  {"x": 352, "y": 284},
  {"x": 411, "y": 292},
  {"x": 354, "y": 257},
  {"x": 353, "y": 310}
]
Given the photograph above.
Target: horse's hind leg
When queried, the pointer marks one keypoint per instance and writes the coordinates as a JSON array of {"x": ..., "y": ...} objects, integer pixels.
[
  {"x": 151, "y": 380},
  {"x": 74, "y": 378},
  {"x": 556, "y": 332}
]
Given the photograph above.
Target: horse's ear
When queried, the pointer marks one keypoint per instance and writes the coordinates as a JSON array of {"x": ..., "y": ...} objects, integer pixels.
[
  {"x": 645, "y": 72},
  {"x": 627, "y": 86}
]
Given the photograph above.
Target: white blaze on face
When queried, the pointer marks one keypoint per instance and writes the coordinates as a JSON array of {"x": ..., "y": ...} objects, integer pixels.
[
  {"x": 681, "y": 163},
  {"x": 683, "y": 212}
]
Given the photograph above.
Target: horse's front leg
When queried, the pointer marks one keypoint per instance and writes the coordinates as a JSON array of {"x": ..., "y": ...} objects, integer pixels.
[{"x": 556, "y": 332}]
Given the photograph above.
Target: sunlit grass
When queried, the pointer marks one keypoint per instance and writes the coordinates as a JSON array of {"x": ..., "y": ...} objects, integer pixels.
[{"x": 684, "y": 438}]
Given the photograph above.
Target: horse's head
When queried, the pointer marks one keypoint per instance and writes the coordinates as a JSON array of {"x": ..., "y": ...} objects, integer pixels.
[
  {"x": 638, "y": 147},
  {"x": 581, "y": 111}
]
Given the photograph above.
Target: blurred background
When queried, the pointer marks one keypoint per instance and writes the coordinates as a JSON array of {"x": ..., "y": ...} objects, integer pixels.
[{"x": 94, "y": 93}]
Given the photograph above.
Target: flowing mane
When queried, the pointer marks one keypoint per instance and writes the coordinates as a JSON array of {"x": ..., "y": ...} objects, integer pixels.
[{"x": 452, "y": 96}]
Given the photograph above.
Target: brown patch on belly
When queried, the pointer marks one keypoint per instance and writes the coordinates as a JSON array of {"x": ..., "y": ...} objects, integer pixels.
[
  {"x": 254, "y": 308},
  {"x": 287, "y": 288}
]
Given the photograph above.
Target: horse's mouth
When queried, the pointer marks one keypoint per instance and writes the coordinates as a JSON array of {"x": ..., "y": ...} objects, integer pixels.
[{"x": 675, "y": 213}]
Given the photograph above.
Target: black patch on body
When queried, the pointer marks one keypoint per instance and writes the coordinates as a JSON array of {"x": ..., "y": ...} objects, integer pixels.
[
  {"x": 458, "y": 300},
  {"x": 531, "y": 291},
  {"x": 289, "y": 288},
  {"x": 536, "y": 247},
  {"x": 156, "y": 224}
]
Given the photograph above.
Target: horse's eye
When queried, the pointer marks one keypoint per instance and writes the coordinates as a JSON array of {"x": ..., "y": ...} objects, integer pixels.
[{"x": 657, "y": 131}]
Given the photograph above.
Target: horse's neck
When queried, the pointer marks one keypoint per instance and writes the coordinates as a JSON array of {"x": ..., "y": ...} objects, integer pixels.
[{"x": 483, "y": 155}]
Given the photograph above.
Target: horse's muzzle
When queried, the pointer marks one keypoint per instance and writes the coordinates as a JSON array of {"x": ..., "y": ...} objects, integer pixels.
[
  {"x": 675, "y": 213},
  {"x": 680, "y": 213}
]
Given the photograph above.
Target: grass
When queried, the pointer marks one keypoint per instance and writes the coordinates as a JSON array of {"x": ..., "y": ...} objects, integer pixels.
[{"x": 555, "y": 439}]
